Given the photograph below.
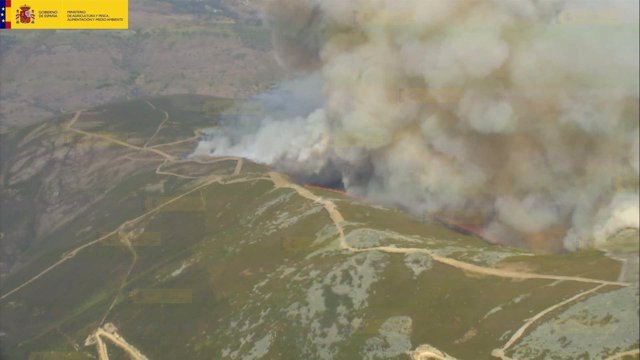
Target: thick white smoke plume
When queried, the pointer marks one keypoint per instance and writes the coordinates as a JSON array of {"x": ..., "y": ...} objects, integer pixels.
[{"x": 520, "y": 116}]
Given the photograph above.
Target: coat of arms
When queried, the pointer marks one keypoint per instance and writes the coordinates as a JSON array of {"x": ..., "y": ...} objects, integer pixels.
[{"x": 25, "y": 15}]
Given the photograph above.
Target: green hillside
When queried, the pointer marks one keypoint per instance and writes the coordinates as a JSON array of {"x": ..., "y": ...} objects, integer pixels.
[{"x": 114, "y": 238}]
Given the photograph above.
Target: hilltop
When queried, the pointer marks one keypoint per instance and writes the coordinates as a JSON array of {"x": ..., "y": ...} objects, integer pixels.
[{"x": 117, "y": 244}]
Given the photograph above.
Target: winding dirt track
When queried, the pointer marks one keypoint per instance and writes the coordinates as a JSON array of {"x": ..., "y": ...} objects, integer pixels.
[
  {"x": 165, "y": 118},
  {"x": 622, "y": 355},
  {"x": 134, "y": 259},
  {"x": 280, "y": 181},
  {"x": 168, "y": 159},
  {"x": 484, "y": 270},
  {"x": 70, "y": 255},
  {"x": 101, "y": 348},
  {"x": 428, "y": 352},
  {"x": 501, "y": 353},
  {"x": 422, "y": 352},
  {"x": 109, "y": 332},
  {"x": 70, "y": 127},
  {"x": 195, "y": 137}
]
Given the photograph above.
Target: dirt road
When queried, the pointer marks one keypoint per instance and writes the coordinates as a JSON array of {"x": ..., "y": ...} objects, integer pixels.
[
  {"x": 69, "y": 126},
  {"x": 110, "y": 332},
  {"x": 423, "y": 352},
  {"x": 426, "y": 351},
  {"x": 501, "y": 353},
  {"x": 164, "y": 120}
]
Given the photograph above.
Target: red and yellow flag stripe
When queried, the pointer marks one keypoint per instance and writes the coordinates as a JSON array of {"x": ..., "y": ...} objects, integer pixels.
[{"x": 5, "y": 11}]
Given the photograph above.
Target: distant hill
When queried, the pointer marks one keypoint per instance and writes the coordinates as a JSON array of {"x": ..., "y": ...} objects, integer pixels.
[
  {"x": 116, "y": 244},
  {"x": 212, "y": 47}
]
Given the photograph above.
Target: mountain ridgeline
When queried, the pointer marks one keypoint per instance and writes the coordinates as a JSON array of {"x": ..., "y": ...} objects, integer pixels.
[{"x": 116, "y": 244}]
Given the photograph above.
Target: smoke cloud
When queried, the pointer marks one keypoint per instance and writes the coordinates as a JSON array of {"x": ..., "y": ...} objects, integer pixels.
[{"x": 520, "y": 117}]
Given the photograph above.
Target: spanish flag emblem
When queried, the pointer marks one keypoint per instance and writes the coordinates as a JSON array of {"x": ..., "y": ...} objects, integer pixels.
[{"x": 5, "y": 23}]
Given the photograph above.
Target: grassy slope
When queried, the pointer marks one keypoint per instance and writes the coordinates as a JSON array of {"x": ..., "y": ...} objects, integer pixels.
[{"x": 247, "y": 271}]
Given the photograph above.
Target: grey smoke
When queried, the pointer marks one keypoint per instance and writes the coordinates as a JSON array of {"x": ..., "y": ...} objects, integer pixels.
[{"x": 520, "y": 116}]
